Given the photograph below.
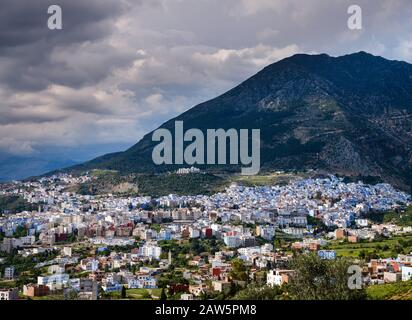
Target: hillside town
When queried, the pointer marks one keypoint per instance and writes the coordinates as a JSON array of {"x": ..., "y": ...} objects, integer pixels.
[{"x": 74, "y": 246}]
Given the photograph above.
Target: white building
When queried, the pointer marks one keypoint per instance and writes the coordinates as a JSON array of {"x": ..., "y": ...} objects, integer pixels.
[
  {"x": 232, "y": 241},
  {"x": 55, "y": 281},
  {"x": 194, "y": 233},
  {"x": 267, "y": 232},
  {"x": 142, "y": 282},
  {"x": 67, "y": 251},
  {"x": 277, "y": 277},
  {"x": 187, "y": 296},
  {"x": 406, "y": 273},
  {"x": 151, "y": 251},
  {"x": 188, "y": 170},
  {"x": 55, "y": 269},
  {"x": 362, "y": 222},
  {"x": 327, "y": 254},
  {"x": 89, "y": 265},
  {"x": 266, "y": 248},
  {"x": 9, "y": 294},
  {"x": 9, "y": 273}
]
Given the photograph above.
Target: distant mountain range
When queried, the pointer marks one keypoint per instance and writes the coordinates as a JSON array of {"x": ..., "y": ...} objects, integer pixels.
[
  {"x": 348, "y": 115},
  {"x": 20, "y": 167}
]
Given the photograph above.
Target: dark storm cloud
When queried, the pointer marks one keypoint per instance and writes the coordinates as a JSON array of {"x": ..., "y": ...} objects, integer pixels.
[
  {"x": 27, "y": 45},
  {"x": 25, "y": 21},
  {"x": 28, "y": 116}
]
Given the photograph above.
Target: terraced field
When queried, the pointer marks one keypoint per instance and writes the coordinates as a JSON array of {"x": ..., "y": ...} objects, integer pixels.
[
  {"x": 384, "y": 248},
  {"x": 390, "y": 291}
]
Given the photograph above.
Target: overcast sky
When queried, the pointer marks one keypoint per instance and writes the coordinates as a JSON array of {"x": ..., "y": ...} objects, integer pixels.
[{"x": 120, "y": 68}]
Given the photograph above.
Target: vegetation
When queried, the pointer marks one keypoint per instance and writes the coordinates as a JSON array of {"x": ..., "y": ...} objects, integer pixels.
[
  {"x": 15, "y": 204},
  {"x": 192, "y": 246},
  {"x": 398, "y": 291},
  {"x": 151, "y": 184},
  {"x": 143, "y": 294},
  {"x": 123, "y": 293},
  {"x": 25, "y": 266},
  {"x": 264, "y": 179},
  {"x": 56, "y": 296},
  {"x": 171, "y": 278},
  {"x": 317, "y": 279},
  {"x": 317, "y": 223},
  {"x": 383, "y": 248},
  {"x": 108, "y": 181},
  {"x": 399, "y": 217},
  {"x": 7, "y": 284},
  {"x": 163, "y": 295},
  {"x": 186, "y": 184},
  {"x": 239, "y": 271},
  {"x": 257, "y": 292}
]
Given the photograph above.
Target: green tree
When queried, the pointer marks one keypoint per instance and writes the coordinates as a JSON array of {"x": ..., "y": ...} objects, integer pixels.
[
  {"x": 163, "y": 295},
  {"x": 239, "y": 271},
  {"x": 257, "y": 292},
  {"x": 123, "y": 293},
  {"x": 317, "y": 279}
]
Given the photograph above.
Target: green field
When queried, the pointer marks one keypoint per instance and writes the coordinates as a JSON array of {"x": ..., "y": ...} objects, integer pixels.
[
  {"x": 384, "y": 248},
  {"x": 101, "y": 172},
  {"x": 49, "y": 297},
  {"x": 143, "y": 294},
  {"x": 264, "y": 179},
  {"x": 8, "y": 284},
  {"x": 390, "y": 291}
]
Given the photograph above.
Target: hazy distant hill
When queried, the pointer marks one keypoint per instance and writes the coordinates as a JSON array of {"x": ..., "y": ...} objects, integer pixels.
[
  {"x": 349, "y": 115},
  {"x": 19, "y": 167}
]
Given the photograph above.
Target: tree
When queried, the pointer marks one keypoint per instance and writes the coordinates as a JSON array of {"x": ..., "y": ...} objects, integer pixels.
[
  {"x": 317, "y": 279},
  {"x": 239, "y": 271},
  {"x": 257, "y": 292},
  {"x": 163, "y": 295},
  {"x": 123, "y": 293}
]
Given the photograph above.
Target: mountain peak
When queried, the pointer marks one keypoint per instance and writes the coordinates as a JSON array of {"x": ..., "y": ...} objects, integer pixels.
[
  {"x": 349, "y": 115},
  {"x": 361, "y": 53}
]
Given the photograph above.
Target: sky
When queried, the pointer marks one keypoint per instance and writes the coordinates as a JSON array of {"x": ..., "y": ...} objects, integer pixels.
[{"x": 120, "y": 68}]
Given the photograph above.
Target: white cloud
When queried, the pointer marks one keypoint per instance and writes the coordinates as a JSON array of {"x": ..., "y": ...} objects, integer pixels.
[{"x": 404, "y": 50}]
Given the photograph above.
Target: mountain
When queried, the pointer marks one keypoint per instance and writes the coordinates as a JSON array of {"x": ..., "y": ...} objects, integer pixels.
[
  {"x": 349, "y": 115},
  {"x": 21, "y": 167}
]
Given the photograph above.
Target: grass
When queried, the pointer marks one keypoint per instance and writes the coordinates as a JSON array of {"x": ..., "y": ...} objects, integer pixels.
[
  {"x": 384, "y": 248},
  {"x": 101, "y": 172},
  {"x": 143, "y": 294},
  {"x": 390, "y": 291},
  {"x": 263, "y": 179},
  {"x": 7, "y": 284},
  {"x": 49, "y": 297}
]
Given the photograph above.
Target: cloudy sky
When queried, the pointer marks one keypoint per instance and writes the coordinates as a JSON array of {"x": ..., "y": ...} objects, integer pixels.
[{"x": 120, "y": 68}]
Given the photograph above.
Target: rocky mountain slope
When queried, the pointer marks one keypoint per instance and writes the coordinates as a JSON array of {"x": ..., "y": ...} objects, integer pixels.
[{"x": 349, "y": 115}]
